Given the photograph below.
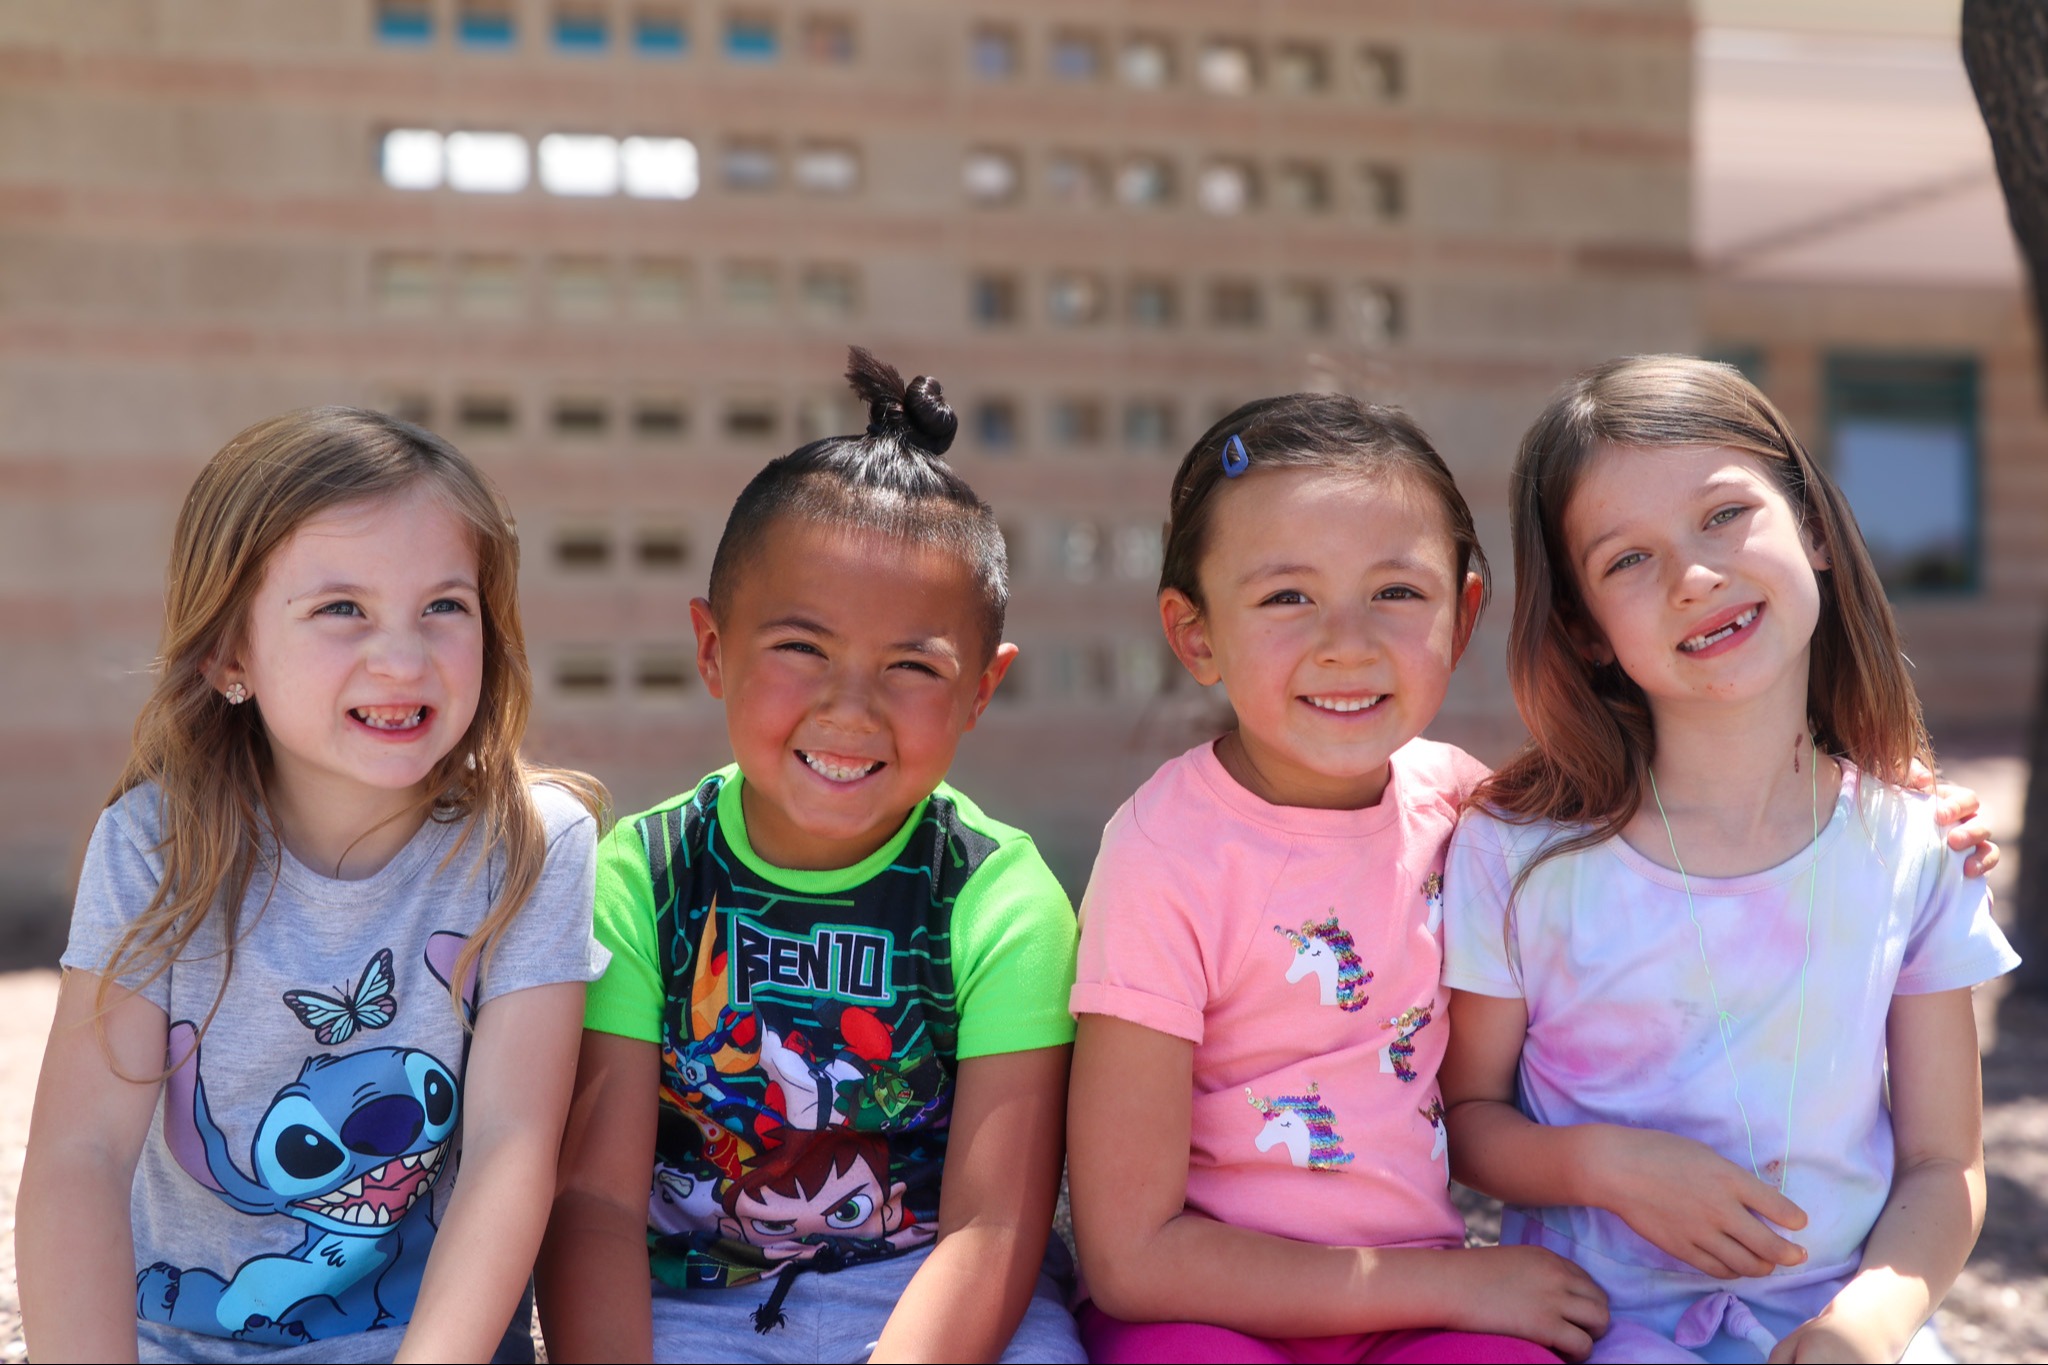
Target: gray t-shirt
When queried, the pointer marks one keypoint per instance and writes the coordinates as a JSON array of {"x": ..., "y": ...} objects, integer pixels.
[{"x": 297, "y": 1166}]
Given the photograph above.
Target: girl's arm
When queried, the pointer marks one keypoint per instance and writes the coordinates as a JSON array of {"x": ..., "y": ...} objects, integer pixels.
[
  {"x": 522, "y": 1061},
  {"x": 592, "y": 1278},
  {"x": 74, "y": 1248},
  {"x": 1936, "y": 1208},
  {"x": 1680, "y": 1195},
  {"x": 1149, "y": 1259},
  {"x": 995, "y": 1211}
]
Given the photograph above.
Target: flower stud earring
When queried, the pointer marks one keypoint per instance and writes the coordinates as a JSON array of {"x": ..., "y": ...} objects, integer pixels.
[{"x": 236, "y": 694}]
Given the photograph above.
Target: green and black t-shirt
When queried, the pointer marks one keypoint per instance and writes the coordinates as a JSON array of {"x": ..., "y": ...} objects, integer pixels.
[{"x": 811, "y": 1023}]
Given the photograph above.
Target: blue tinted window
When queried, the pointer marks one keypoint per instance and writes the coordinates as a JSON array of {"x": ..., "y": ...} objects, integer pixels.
[
  {"x": 582, "y": 31},
  {"x": 750, "y": 39},
  {"x": 1903, "y": 447},
  {"x": 486, "y": 27},
  {"x": 659, "y": 33},
  {"x": 405, "y": 24}
]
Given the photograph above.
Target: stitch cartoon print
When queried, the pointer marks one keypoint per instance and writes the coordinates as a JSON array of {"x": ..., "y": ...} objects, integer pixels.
[{"x": 352, "y": 1148}]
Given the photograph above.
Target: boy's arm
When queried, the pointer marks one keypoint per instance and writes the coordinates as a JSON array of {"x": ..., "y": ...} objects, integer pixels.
[
  {"x": 1148, "y": 1258},
  {"x": 995, "y": 1211},
  {"x": 1936, "y": 1208},
  {"x": 1680, "y": 1195},
  {"x": 515, "y": 1095},
  {"x": 592, "y": 1279},
  {"x": 74, "y": 1247}
]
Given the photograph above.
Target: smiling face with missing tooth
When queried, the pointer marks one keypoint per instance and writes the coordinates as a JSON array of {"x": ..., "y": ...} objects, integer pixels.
[{"x": 850, "y": 663}]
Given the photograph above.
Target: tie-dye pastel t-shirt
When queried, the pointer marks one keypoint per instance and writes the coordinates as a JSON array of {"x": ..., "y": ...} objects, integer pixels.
[
  {"x": 1298, "y": 950},
  {"x": 1620, "y": 990}
]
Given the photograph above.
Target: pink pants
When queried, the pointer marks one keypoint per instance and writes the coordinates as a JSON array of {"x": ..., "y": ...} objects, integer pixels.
[{"x": 1112, "y": 1342}]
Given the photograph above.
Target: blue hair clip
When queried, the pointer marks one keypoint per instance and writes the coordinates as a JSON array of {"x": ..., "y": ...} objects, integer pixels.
[{"x": 1236, "y": 459}]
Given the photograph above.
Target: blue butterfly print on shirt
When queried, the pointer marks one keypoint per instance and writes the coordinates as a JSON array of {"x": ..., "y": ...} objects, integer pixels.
[{"x": 370, "y": 1005}]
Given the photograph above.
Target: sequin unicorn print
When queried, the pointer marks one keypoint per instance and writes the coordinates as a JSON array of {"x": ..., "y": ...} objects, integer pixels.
[
  {"x": 1434, "y": 1112},
  {"x": 1399, "y": 1055},
  {"x": 1304, "y": 1125},
  {"x": 1324, "y": 948},
  {"x": 1433, "y": 897}
]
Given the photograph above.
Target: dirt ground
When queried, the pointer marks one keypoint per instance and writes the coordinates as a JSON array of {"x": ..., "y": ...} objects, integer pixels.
[{"x": 1998, "y": 1310}]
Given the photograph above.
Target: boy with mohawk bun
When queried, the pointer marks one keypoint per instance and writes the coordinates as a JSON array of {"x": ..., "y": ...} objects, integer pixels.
[{"x": 822, "y": 1089}]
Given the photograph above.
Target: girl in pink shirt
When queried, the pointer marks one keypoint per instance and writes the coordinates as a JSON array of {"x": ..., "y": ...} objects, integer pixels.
[{"x": 1256, "y": 1139}]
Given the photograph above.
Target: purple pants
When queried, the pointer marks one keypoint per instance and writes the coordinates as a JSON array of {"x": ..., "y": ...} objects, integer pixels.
[{"x": 1111, "y": 1341}]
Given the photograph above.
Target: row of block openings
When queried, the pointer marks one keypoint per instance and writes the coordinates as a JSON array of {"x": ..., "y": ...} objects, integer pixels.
[
  {"x": 596, "y": 288},
  {"x": 1133, "y": 669},
  {"x": 590, "y": 28},
  {"x": 1224, "y": 186},
  {"x": 1370, "y": 312},
  {"x": 1073, "y": 550},
  {"x": 600, "y": 166},
  {"x": 1216, "y": 64},
  {"x": 657, "y": 416}
]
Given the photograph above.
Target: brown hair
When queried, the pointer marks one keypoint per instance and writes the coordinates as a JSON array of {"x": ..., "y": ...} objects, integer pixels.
[
  {"x": 806, "y": 1162},
  {"x": 209, "y": 760},
  {"x": 1307, "y": 431},
  {"x": 1591, "y": 734}
]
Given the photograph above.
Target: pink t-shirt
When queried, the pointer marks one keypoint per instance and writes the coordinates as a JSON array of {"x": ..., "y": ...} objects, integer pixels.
[{"x": 1298, "y": 950}]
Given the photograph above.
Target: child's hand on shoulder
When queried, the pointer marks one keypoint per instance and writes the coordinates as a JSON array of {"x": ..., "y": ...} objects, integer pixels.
[
  {"x": 1689, "y": 1201},
  {"x": 1533, "y": 1294}
]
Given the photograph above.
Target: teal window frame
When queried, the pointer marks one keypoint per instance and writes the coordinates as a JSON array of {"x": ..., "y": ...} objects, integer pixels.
[{"x": 1926, "y": 386}]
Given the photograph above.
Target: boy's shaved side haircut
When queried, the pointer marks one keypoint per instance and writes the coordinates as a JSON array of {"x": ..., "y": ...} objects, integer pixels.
[{"x": 890, "y": 480}]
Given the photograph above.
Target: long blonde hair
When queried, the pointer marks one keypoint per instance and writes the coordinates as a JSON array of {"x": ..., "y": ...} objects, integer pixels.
[
  {"x": 1591, "y": 733},
  {"x": 209, "y": 760}
]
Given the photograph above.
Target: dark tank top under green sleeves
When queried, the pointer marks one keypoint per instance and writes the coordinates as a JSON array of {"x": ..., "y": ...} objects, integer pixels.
[{"x": 811, "y": 1024}]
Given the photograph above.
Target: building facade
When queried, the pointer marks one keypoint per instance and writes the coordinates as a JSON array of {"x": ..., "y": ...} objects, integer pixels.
[{"x": 616, "y": 250}]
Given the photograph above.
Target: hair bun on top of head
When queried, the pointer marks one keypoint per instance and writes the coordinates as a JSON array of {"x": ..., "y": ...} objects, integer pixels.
[{"x": 916, "y": 413}]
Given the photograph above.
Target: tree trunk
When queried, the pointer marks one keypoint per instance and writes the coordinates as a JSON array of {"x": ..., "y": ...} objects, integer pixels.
[{"x": 2005, "y": 49}]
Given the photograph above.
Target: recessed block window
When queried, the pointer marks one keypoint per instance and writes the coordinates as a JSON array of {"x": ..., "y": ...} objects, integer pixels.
[
  {"x": 1382, "y": 72},
  {"x": 752, "y": 37},
  {"x": 659, "y": 32},
  {"x": 1306, "y": 306},
  {"x": 1227, "y": 66},
  {"x": 411, "y": 405},
  {"x": 582, "y": 415},
  {"x": 991, "y": 175},
  {"x": 1139, "y": 552},
  {"x": 405, "y": 23},
  {"x": 830, "y": 292},
  {"x": 580, "y": 288},
  {"x": 1153, "y": 302},
  {"x": 1075, "y": 298},
  {"x": 1078, "y": 421},
  {"x": 1235, "y": 303},
  {"x": 1378, "y": 312},
  {"x": 582, "y": 29},
  {"x": 490, "y": 287},
  {"x": 994, "y": 299},
  {"x": 406, "y": 284},
  {"x": 1386, "y": 191},
  {"x": 486, "y": 163},
  {"x": 486, "y": 25},
  {"x": 412, "y": 159},
  {"x": 1146, "y": 62},
  {"x": 751, "y": 419},
  {"x": 660, "y": 290},
  {"x": 486, "y": 413},
  {"x": 583, "y": 547},
  {"x": 661, "y": 549},
  {"x": 1148, "y": 424},
  {"x": 994, "y": 53},
  {"x": 1076, "y": 56},
  {"x": 1080, "y": 550},
  {"x": 1305, "y": 187},
  {"x": 660, "y": 418},
  {"x": 664, "y": 673},
  {"x": 996, "y": 424},
  {"x": 753, "y": 288},
  {"x": 1228, "y": 187},
  {"x": 1145, "y": 181},
  {"x": 1902, "y": 432},
  {"x": 579, "y": 164},
  {"x": 1077, "y": 179},
  {"x": 751, "y": 165},
  {"x": 820, "y": 415},
  {"x": 658, "y": 167},
  {"x": 1301, "y": 68},
  {"x": 581, "y": 673},
  {"x": 829, "y": 39},
  {"x": 827, "y": 168}
]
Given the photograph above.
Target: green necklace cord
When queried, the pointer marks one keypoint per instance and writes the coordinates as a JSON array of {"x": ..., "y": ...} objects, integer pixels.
[{"x": 1725, "y": 1021}]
